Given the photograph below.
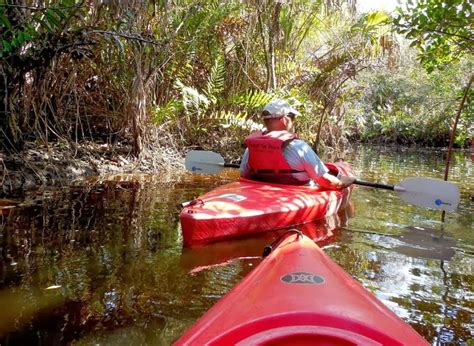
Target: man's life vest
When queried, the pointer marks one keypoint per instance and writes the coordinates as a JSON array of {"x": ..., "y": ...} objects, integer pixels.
[{"x": 266, "y": 160}]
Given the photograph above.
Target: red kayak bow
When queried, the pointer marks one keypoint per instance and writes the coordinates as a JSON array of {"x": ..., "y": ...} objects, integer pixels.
[{"x": 299, "y": 296}]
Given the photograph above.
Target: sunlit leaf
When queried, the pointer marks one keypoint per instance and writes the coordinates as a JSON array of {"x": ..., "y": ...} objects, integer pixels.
[{"x": 376, "y": 18}]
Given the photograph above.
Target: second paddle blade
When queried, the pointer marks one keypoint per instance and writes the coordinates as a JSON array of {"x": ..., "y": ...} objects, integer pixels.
[
  {"x": 201, "y": 161},
  {"x": 430, "y": 193}
]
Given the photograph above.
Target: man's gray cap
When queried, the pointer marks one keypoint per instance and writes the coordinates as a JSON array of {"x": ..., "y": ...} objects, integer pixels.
[{"x": 278, "y": 109}]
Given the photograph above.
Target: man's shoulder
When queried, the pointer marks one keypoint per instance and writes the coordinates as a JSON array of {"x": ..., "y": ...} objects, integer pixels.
[
  {"x": 303, "y": 149},
  {"x": 298, "y": 142}
]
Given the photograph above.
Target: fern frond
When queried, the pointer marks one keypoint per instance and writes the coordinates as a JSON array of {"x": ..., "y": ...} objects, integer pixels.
[
  {"x": 253, "y": 99},
  {"x": 231, "y": 119},
  {"x": 215, "y": 80},
  {"x": 192, "y": 100},
  {"x": 166, "y": 112}
]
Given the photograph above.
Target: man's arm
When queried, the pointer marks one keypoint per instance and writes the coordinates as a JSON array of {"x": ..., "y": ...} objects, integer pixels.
[
  {"x": 319, "y": 172},
  {"x": 329, "y": 181}
]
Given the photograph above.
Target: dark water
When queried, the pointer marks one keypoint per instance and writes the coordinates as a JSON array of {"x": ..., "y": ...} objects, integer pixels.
[{"x": 104, "y": 264}]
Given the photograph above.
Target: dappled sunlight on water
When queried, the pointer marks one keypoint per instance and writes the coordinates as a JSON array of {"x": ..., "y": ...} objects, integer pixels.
[{"x": 103, "y": 262}]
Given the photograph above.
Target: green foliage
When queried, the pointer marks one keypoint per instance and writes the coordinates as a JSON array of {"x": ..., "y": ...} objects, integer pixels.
[
  {"x": 252, "y": 100},
  {"x": 376, "y": 18},
  {"x": 442, "y": 31},
  {"x": 237, "y": 121},
  {"x": 200, "y": 109},
  {"x": 166, "y": 112},
  {"x": 408, "y": 106},
  {"x": 74, "y": 70},
  {"x": 215, "y": 80},
  {"x": 193, "y": 101},
  {"x": 30, "y": 32}
]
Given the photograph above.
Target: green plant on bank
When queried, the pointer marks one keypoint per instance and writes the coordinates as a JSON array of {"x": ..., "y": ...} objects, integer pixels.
[
  {"x": 409, "y": 106},
  {"x": 205, "y": 109},
  {"x": 444, "y": 34},
  {"x": 31, "y": 38},
  {"x": 367, "y": 41},
  {"x": 443, "y": 31},
  {"x": 237, "y": 110}
]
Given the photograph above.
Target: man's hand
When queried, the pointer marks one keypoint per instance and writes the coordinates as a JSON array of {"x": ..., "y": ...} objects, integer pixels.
[
  {"x": 347, "y": 181},
  {"x": 330, "y": 182}
]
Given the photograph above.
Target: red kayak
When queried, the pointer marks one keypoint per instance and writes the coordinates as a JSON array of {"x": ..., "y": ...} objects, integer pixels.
[
  {"x": 299, "y": 296},
  {"x": 248, "y": 207}
]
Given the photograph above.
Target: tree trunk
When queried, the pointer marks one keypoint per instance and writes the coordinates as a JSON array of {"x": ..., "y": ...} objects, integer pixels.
[
  {"x": 455, "y": 125},
  {"x": 269, "y": 29},
  {"x": 274, "y": 29},
  {"x": 453, "y": 134},
  {"x": 139, "y": 105}
]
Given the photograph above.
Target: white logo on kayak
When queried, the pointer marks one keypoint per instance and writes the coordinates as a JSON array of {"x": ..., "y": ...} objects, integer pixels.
[
  {"x": 302, "y": 278},
  {"x": 233, "y": 196}
]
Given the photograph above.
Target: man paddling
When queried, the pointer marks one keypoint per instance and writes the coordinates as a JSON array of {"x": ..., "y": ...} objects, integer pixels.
[{"x": 278, "y": 155}]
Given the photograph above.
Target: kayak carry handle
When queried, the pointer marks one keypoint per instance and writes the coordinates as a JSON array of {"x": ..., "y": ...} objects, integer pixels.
[
  {"x": 269, "y": 248},
  {"x": 191, "y": 203}
]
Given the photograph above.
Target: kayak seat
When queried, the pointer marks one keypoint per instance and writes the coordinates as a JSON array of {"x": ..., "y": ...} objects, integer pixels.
[
  {"x": 304, "y": 328},
  {"x": 307, "y": 335}
]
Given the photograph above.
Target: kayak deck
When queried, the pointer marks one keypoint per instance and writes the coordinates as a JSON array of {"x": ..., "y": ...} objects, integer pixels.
[
  {"x": 247, "y": 207},
  {"x": 298, "y": 295}
]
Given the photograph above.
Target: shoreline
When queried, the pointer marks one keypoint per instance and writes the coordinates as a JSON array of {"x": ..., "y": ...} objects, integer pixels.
[{"x": 62, "y": 163}]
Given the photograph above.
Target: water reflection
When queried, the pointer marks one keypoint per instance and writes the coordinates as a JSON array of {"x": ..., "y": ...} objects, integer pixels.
[{"x": 111, "y": 254}]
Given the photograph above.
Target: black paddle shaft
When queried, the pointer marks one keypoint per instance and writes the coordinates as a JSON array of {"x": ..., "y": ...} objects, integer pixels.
[
  {"x": 358, "y": 182},
  {"x": 378, "y": 185}
]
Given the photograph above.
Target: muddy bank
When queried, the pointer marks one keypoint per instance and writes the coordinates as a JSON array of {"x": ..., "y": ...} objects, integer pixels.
[{"x": 61, "y": 163}]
